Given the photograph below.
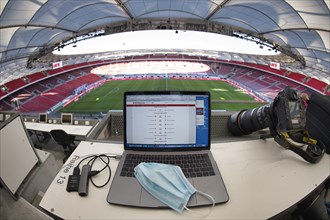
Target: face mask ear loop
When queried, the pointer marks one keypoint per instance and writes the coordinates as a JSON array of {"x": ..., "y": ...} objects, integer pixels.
[{"x": 201, "y": 214}]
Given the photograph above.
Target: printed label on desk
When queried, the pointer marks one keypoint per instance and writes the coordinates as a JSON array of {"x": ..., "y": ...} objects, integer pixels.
[{"x": 66, "y": 170}]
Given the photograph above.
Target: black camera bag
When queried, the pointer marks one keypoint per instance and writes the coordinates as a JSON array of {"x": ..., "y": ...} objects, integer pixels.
[{"x": 318, "y": 119}]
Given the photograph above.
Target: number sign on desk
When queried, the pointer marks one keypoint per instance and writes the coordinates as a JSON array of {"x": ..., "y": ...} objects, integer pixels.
[{"x": 17, "y": 155}]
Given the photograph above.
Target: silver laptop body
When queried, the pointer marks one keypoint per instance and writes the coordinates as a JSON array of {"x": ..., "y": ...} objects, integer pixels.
[{"x": 167, "y": 124}]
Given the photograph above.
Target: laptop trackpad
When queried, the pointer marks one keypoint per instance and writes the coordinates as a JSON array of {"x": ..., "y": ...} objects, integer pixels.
[{"x": 147, "y": 200}]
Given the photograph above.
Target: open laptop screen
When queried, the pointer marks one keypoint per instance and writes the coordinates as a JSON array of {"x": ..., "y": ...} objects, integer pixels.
[{"x": 167, "y": 120}]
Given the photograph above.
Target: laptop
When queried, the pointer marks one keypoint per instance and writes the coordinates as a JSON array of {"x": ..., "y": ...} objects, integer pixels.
[{"x": 171, "y": 127}]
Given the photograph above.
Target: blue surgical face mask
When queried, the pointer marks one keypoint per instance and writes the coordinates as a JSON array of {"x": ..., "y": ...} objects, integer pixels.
[{"x": 166, "y": 183}]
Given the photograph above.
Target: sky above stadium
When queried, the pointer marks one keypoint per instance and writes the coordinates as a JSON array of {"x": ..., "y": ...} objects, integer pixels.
[{"x": 165, "y": 39}]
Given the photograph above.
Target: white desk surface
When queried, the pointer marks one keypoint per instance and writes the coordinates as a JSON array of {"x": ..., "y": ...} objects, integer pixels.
[
  {"x": 262, "y": 179},
  {"x": 79, "y": 130}
]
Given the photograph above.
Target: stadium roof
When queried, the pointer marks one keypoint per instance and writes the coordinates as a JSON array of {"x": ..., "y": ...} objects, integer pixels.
[{"x": 31, "y": 29}]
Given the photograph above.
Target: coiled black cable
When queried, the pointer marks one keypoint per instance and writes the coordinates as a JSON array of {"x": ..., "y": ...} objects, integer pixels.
[{"x": 104, "y": 159}]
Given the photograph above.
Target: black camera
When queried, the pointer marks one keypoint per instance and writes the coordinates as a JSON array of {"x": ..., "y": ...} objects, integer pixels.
[{"x": 286, "y": 119}]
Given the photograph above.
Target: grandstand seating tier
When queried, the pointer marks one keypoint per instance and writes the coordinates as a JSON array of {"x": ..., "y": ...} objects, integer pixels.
[
  {"x": 36, "y": 76},
  {"x": 260, "y": 78},
  {"x": 50, "y": 97}
]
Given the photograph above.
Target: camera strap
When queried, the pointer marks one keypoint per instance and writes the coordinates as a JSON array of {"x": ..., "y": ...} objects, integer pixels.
[{"x": 313, "y": 153}]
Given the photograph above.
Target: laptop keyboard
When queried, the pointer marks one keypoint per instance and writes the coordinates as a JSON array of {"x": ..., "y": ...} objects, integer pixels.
[{"x": 192, "y": 165}]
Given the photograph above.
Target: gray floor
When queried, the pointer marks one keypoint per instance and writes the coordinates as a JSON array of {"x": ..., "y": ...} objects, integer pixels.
[{"x": 51, "y": 146}]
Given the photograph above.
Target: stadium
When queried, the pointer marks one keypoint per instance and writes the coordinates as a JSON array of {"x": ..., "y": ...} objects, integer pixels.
[{"x": 37, "y": 80}]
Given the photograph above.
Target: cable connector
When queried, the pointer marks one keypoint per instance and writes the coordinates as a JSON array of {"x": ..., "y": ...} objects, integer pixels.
[
  {"x": 93, "y": 173},
  {"x": 73, "y": 181},
  {"x": 76, "y": 171},
  {"x": 84, "y": 179}
]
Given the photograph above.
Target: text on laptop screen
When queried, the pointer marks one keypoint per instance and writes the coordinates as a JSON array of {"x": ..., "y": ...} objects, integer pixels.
[{"x": 167, "y": 120}]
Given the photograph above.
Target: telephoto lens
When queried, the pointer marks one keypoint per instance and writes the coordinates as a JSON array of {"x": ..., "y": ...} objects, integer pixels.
[{"x": 248, "y": 121}]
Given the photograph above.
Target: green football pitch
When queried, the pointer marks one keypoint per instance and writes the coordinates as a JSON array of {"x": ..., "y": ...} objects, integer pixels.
[{"x": 109, "y": 96}]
